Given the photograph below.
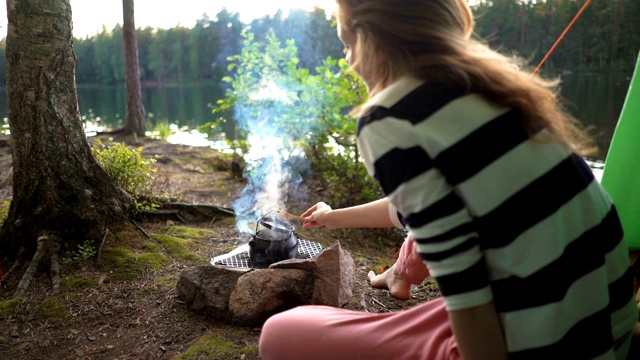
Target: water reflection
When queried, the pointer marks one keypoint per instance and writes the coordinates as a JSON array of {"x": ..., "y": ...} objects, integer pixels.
[
  {"x": 595, "y": 99},
  {"x": 178, "y": 135},
  {"x": 192, "y": 137}
]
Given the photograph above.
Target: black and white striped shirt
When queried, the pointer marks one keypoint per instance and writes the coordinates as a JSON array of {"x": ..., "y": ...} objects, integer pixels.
[{"x": 497, "y": 215}]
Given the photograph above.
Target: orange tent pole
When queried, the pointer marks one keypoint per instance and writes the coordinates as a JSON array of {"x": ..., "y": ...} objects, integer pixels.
[{"x": 561, "y": 36}]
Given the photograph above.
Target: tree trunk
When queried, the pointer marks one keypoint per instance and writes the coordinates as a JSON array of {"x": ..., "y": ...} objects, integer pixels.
[
  {"x": 135, "y": 119},
  {"x": 61, "y": 195}
]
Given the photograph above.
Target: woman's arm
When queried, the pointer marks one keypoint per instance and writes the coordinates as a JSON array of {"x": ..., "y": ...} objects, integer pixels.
[
  {"x": 478, "y": 332},
  {"x": 369, "y": 215}
]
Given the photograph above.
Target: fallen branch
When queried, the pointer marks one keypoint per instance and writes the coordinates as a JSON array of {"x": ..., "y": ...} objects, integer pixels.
[
  {"x": 379, "y": 303},
  {"x": 104, "y": 238},
  {"x": 143, "y": 231}
]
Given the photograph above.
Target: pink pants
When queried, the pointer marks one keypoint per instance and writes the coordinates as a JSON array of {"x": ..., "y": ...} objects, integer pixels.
[{"x": 324, "y": 332}]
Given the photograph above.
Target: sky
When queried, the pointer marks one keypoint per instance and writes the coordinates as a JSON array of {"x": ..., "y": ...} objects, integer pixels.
[{"x": 90, "y": 15}]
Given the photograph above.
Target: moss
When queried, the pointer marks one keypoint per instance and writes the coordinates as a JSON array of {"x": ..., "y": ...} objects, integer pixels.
[
  {"x": 123, "y": 235},
  {"x": 214, "y": 346},
  {"x": 127, "y": 237},
  {"x": 186, "y": 232},
  {"x": 177, "y": 247},
  {"x": 71, "y": 283},
  {"x": 250, "y": 350},
  {"x": 152, "y": 248},
  {"x": 166, "y": 282},
  {"x": 53, "y": 307},
  {"x": 128, "y": 266},
  {"x": 9, "y": 306}
]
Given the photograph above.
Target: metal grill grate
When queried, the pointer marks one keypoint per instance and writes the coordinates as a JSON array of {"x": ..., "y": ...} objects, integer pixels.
[{"x": 239, "y": 257}]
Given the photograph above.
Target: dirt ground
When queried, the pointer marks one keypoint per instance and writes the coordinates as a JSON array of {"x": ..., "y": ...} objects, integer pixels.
[{"x": 100, "y": 317}]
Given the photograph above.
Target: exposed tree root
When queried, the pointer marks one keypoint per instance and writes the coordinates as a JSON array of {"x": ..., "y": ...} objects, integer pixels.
[
  {"x": 187, "y": 212},
  {"x": 54, "y": 270},
  {"x": 48, "y": 245}
]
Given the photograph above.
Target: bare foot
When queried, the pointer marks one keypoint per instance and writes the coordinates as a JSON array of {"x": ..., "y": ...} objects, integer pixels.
[{"x": 390, "y": 279}]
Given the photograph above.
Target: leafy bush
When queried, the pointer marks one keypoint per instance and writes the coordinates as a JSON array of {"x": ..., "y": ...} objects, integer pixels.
[
  {"x": 128, "y": 169},
  {"x": 161, "y": 129},
  {"x": 85, "y": 251},
  {"x": 310, "y": 109}
]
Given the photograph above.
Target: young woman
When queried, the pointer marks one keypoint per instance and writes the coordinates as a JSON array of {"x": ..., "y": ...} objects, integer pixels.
[{"x": 481, "y": 162}]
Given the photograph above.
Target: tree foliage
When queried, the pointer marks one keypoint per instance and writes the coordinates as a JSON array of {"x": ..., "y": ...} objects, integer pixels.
[
  {"x": 271, "y": 94},
  {"x": 605, "y": 38}
]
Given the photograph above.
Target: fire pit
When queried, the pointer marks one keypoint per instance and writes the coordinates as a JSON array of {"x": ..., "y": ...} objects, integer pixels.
[
  {"x": 239, "y": 257},
  {"x": 274, "y": 240}
]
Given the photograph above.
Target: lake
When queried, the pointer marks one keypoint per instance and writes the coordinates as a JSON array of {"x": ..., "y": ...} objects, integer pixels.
[{"x": 595, "y": 99}]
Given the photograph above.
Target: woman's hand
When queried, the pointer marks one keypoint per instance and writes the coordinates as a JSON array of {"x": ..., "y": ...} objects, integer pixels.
[{"x": 316, "y": 216}]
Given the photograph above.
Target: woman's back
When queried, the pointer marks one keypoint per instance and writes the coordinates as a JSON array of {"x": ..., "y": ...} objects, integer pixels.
[{"x": 475, "y": 190}]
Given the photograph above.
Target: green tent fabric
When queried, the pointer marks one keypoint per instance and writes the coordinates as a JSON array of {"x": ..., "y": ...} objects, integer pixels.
[{"x": 621, "y": 175}]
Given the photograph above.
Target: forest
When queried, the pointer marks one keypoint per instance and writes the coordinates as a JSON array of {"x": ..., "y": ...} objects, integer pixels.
[{"x": 605, "y": 38}]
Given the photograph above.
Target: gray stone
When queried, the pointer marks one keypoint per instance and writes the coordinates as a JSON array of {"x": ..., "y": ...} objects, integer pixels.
[{"x": 207, "y": 289}]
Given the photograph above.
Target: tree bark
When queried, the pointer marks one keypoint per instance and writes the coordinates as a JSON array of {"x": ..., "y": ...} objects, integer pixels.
[
  {"x": 135, "y": 118},
  {"x": 60, "y": 192}
]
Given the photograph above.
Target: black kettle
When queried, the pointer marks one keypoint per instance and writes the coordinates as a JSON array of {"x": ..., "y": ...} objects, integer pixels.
[{"x": 273, "y": 241}]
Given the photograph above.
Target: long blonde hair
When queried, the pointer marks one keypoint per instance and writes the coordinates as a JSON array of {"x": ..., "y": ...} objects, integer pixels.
[{"x": 432, "y": 40}]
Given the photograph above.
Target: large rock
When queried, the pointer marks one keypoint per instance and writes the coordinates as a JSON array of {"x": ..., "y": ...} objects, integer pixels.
[
  {"x": 334, "y": 275},
  {"x": 207, "y": 289},
  {"x": 262, "y": 293},
  {"x": 250, "y": 297}
]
